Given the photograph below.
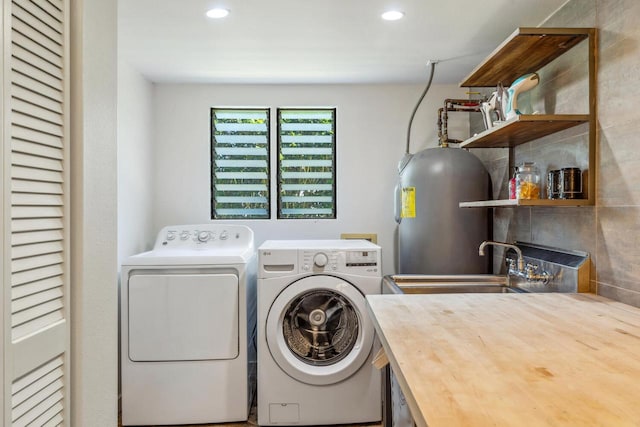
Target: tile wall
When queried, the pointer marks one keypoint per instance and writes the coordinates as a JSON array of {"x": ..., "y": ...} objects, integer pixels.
[{"x": 610, "y": 230}]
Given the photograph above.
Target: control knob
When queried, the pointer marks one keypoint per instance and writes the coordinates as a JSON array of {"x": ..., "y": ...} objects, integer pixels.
[
  {"x": 320, "y": 259},
  {"x": 204, "y": 236}
]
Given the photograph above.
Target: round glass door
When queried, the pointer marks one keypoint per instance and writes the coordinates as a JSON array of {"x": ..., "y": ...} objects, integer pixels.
[
  {"x": 320, "y": 327},
  {"x": 318, "y": 330}
]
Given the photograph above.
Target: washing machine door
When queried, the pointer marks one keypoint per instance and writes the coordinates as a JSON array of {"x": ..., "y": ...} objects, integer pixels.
[{"x": 318, "y": 330}]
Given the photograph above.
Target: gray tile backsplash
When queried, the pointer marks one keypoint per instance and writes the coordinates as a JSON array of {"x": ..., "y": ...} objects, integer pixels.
[
  {"x": 619, "y": 161},
  {"x": 575, "y": 13},
  {"x": 610, "y": 230},
  {"x": 618, "y": 247}
]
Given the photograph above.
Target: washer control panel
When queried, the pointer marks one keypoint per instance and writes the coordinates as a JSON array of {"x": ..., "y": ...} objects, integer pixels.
[
  {"x": 278, "y": 258},
  {"x": 340, "y": 261},
  {"x": 203, "y": 236}
]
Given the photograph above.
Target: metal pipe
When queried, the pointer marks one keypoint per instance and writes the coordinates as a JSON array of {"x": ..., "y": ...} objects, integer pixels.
[{"x": 454, "y": 105}]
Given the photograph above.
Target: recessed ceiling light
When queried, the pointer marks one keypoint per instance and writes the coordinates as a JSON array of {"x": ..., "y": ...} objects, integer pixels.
[
  {"x": 392, "y": 15},
  {"x": 217, "y": 13}
]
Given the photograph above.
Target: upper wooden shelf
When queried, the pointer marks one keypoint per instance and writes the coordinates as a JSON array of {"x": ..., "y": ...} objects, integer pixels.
[
  {"x": 525, "y": 51},
  {"x": 524, "y": 128}
]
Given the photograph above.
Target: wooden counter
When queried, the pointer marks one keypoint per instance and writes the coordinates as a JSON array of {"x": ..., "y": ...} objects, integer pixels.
[{"x": 513, "y": 359}]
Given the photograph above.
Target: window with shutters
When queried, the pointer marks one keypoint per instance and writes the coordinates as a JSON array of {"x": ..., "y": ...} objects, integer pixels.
[
  {"x": 240, "y": 163},
  {"x": 306, "y": 163}
]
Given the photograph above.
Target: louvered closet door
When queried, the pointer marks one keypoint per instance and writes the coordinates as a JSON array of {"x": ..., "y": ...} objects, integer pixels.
[{"x": 36, "y": 263}]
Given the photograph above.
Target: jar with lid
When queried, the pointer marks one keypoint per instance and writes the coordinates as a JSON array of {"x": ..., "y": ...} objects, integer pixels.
[
  {"x": 553, "y": 184},
  {"x": 570, "y": 185},
  {"x": 528, "y": 181}
]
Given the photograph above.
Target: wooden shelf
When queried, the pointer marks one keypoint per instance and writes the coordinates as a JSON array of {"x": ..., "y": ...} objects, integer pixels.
[
  {"x": 524, "y": 128},
  {"x": 510, "y": 203},
  {"x": 525, "y": 51}
]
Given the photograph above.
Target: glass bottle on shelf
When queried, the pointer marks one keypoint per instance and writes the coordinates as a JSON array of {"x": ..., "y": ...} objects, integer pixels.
[
  {"x": 512, "y": 184},
  {"x": 527, "y": 181}
]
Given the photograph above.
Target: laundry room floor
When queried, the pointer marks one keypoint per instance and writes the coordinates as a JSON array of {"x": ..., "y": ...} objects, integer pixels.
[{"x": 252, "y": 423}]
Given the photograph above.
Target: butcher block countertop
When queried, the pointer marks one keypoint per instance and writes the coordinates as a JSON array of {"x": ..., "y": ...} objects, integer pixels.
[{"x": 513, "y": 359}]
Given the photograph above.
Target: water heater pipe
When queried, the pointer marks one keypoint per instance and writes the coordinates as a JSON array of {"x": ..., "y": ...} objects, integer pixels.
[
  {"x": 431, "y": 63},
  {"x": 464, "y": 105}
]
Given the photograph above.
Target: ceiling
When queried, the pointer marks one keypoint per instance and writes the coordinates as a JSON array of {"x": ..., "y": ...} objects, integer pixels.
[{"x": 316, "y": 42}]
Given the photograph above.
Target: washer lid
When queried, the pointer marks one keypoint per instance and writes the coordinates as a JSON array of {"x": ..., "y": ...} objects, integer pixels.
[
  {"x": 318, "y": 330},
  {"x": 192, "y": 257}
]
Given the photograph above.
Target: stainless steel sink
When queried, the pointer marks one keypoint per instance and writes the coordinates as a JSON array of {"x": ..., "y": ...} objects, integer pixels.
[{"x": 446, "y": 284}]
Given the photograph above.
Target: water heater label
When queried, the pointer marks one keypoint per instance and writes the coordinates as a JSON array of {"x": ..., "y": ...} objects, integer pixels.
[{"x": 408, "y": 202}]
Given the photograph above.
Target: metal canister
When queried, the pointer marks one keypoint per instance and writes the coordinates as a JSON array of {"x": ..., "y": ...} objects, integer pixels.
[
  {"x": 553, "y": 184},
  {"x": 570, "y": 183}
]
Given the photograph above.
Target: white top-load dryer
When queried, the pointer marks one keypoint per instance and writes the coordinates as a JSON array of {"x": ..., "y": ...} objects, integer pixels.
[{"x": 187, "y": 310}]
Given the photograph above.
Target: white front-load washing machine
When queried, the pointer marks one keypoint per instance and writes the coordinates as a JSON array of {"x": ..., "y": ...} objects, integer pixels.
[
  {"x": 316, "y": 340},
  {"x": 187, "y": 308}
]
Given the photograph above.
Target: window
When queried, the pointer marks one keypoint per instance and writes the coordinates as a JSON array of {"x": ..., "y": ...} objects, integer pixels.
[
  {"x": 306, "y": 163},
  {"x": 240, "y": 169},
  {"x": 239, "y": 163}
]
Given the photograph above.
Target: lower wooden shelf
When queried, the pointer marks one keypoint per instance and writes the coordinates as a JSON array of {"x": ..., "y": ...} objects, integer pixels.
[{"x": 507, "y": 203}]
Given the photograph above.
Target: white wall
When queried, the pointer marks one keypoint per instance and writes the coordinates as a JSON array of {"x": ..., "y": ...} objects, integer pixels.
[
  {"x": 135, "y": 162},
  {"x": 371, "y": 133},
  {"x": 94, "y": 337}
]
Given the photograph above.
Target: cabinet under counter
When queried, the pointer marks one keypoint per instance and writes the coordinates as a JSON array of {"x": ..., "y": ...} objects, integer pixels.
[{"x": 513, "y": 359}]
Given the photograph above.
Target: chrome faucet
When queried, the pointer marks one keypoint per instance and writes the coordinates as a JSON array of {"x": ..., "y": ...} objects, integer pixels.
[
  {"x": 529, "y": 272},
  {"x": 506, "y": 245}
]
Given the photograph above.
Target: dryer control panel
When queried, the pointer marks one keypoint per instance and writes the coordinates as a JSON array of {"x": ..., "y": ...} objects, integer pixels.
[{"x": 180, "y": 237}]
